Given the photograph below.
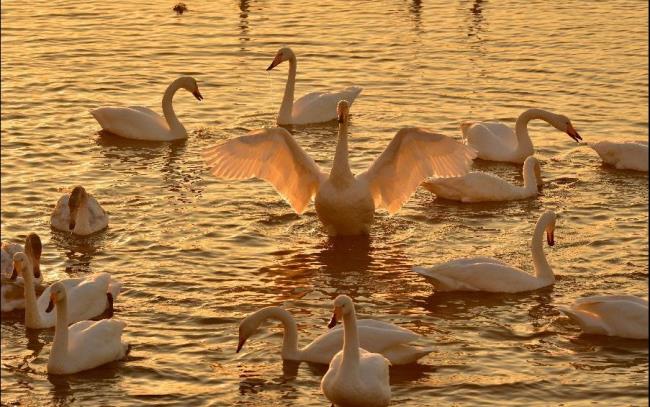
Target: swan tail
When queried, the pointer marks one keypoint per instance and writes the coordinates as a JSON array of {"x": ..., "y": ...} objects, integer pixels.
[
  {"x": 588, "y": 323},
  {"x": 353, "y": 92}
]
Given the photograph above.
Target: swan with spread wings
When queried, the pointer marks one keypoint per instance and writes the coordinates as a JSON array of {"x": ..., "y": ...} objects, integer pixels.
[{"x": 345, "y": 203}]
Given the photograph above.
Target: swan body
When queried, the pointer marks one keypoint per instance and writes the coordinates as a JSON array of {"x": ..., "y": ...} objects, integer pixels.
[
  {"x": 375, "y": 336},
  {"x": 623, "y": 156},
  {"x": 494, "y": 141},
  {"x": 482, "y": 187},
  {"x": 625, "y": 316},
  {"x": 355, "y": 376},
  {"x": 87, "y": 297},
  {"x": 315, "y": 107},
  {"x": 344, "y": 203},
  {"x": 85, "y": 344},
  {"x": 12, "y": 291},
  {"x": 142, "y": 123},
  {"x": 492, "y": 275},
  {"x": 79, "y": 213}
]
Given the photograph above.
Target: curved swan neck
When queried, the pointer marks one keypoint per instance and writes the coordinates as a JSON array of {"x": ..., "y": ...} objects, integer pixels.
[
  {"x": 286, "y": 109},
  {"x": 340, "y": 172},
  {"x": 531, "y": 175},
  {"x": 350, "y": 342},
  {"x": 174, "y": 124},
  {"x": 60, "y": 343},
  {"x": 524, "y": 143},
  {"x": 32, "y": 317},
  {"x": 290, "y": 338},
  {"x": 542, "y": 269}
]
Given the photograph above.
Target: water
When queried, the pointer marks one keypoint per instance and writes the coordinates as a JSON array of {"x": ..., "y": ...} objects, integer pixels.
[{"x": 197, "y": 254}]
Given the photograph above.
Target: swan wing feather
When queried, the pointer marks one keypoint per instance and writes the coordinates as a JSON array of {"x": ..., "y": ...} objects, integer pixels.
[{"x": 318, "y": 107}]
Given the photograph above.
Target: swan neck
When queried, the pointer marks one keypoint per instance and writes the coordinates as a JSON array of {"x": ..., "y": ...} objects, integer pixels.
[
  {"x": 174, "y": 124},
  {"x": 286, "y": 109},
  {"x": 530, "y": 178},
  {"x": 543, "y": 270},
  {"x": 524, "y": 143},
  {"x": 32, "y": 317},
  {"x": 340, "y": 172},
  {"x": 60, "y": 343},
  {"x": 350, "y": 343},
  {"x": 290, "y": 338}
]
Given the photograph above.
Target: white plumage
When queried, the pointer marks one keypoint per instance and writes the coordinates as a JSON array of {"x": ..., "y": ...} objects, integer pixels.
[{"x": 614, "y": 315}]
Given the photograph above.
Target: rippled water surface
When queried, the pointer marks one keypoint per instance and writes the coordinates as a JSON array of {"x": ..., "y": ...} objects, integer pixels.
[{"x": 197, "y": 254}]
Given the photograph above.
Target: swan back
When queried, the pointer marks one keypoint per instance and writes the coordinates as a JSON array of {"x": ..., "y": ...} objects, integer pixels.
[
  {"x": 624, "y": 316},
  {"x": 624, "y": 156}
]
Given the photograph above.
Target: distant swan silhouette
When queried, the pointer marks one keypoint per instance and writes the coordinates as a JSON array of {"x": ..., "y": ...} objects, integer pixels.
[
  {"x": 315, "y": 107},
  {"x": 481, "y": 186},
  {"x": 142, "y": 123},
  {"x": 345, "y": 203},
  {"x": 495, "y": 141}
]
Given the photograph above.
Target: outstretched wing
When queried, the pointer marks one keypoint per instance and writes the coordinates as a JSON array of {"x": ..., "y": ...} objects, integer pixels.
[
  {"x": 272, "y": 155},
  {"x": 414, "y": 155}
]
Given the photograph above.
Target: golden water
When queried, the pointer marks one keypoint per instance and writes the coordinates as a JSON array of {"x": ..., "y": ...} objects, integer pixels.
[{"x": 197, "y": 254}]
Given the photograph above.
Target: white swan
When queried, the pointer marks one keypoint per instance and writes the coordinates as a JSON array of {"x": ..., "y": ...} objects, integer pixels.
[
  {"x": 624, "y": 156},
  {"x": 84, "y": 345},
  {"x": 613, "y": 315},
  {"x": 345, "y": 203},
  {"x": 492, "y": 275},
  {"x": 315, "y": 107},
  {"x": 495, "y": 141},
  {"x": 355, "y": 377},
  {"x": 375, "y": 336},
  {"x": 481, "y": 186},
  {"x": 88, "y": 297},
  {"x": 13, "y": 293},
  {"x": 79, "y": 213},
  {"x": 142, "y": 123}
]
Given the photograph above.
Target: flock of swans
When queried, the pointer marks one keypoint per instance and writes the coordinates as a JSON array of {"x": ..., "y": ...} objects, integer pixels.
[{"x": 358, "y": 354}]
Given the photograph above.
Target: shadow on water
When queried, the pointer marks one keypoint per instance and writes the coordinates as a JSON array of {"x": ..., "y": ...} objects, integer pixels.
[{"x": 244, "y": 37}]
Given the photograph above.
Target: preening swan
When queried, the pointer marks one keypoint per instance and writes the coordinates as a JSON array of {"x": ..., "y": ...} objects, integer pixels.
[
  {"x": 374, "y": 336},
  {"x": 84, "y": 345},
  {"x": 624, "y": 156},
  {"x": 315, "y": 107},
  {"x": 613, "y": 315},
  {"x": 79, "y": 213},
  {"x": 481, "y": 186},
  {"x": 345, "y": 203},
  {"x": 355, "y": 377},
  {"x": 87, "y": 297},
  {"x": 495, "y": 141},
  {"x": 13, "y": 293},
  {"x": 492, "y": 275},
  {"x": 142, "y": 123}
]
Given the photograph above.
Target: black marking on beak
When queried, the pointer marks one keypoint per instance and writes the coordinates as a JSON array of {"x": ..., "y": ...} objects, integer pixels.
[
  {"x": 37, "y": 270},
  {"x": 574, "y": 134},
  {"x": 197, "y": 95},
  {"x": 240, "y": 345},
  {"x": 109, "y": 305},
  {"x": 333, "y": 321},
  {"x": 14, "y": 274},
  {"x": 275, "y": 63},
  {"x": 72, "y": 225},
  {"x": 550, "y": 238},
  {"x": 341, "y": 119},
  {"x": 50, "y": 306}
]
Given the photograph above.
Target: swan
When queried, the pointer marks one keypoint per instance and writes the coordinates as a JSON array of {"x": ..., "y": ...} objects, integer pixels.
[
  {"x": 375, "y": 336},
  {"x": 85, "y": 344},
  {"x": 344, "y": 203},
  {"x": 613, "y": 315},
  {"x": 624, "y": 156},
  {"x": 482, "y": 187},
  {"x": 79, "y": 213},
  {"x": 355, "y": 377},
  {"x": 315, "y": 107},
  {"x": 492, "y": 275},
  {"x": 142, "y": 123},
  {"x": 88, "y": 297},
  {"x": 13, "y": 294},
  {"x": 495, "y": 141}
]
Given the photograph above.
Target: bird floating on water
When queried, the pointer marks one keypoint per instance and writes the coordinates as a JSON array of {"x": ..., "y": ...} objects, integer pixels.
[{"x": 79, "y": 213}]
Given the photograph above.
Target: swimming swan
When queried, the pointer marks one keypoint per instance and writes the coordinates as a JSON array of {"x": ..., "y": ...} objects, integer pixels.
[
  {"x": 84, "y": 345},
  {"x": 142, "y": 123},
  {"x": 624, "y": 156},
  {"x": 315, "y": 107},
  {"x": 375, "y": 336},
  {"x": 87, "y": 297},
  {"x": 79, "y": 213},
  {"x": 481, "y": 186},
  {"x": 13, "y": 293},
  {"x": 613, "y": 315},
  {"x": 492, "y": 275},
  {"x": 495, "y": 141},
  {"x": 355, "y": 377},
  {"x": 345, "y": 203}
]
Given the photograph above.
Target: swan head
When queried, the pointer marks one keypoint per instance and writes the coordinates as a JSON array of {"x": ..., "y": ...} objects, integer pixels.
[
  {"x": 549, "y": 218},
  {"x": 78, "y": 198},
  {"x": 283, "y": 54},
  {"x": 57, "y": 294},
  {"x": 33, "y": 249},
  {"x": 563, "y": 123},
  {"x": 247, "y": 327},
  {"x": 188, "y": 83},
  {"x": 532, "y": 164},
  {"x": 343, "y": 306},
  {"x": 343, "y": 111}
]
